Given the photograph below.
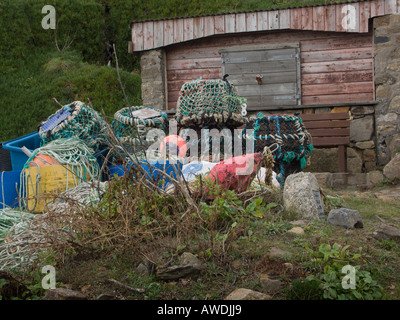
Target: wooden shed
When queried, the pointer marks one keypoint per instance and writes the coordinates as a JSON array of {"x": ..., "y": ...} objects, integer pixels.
[{"x": 308, "y": 59}]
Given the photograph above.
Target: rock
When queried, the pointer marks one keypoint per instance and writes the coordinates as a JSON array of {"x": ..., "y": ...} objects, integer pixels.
[
  {"x": 386, "y": 232},
  {"x": 189, "y": 266},
  {"x": 301, "y": 194},
  {"x": 346, "y": 218},
  {"x": 323, "y": 160},
  {"x": 278, "y": 253},
  {"x": 354, "y": 161},
  {"x": 288, "y": 266},
  {"x": 369, "y": 155},
  {"x": 247, "y": 294},
  {"x": 392, "y": 169},
  {"x": 394, "y": 144},
  {"x": 142, "y": 269},
  {"x": 365, "y": 144},
  {"x": 375, "y": 176},
  {"x": 395, "y": 104},
  {"x": 270, "y": 285},
  {"x": 296, "y": 230},
  {"x": 324, "y": 179},
  {"x": 106, "y": 296},
  {"x": 299, "y": 223},
  {"x": 362, "y": 129},
  {"x": 64, "y": 294}
]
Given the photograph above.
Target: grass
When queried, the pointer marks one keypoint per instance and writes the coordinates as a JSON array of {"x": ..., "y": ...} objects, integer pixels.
[
  {"x": 28, "y": 91},
  {"x": 233, "y": 247}
]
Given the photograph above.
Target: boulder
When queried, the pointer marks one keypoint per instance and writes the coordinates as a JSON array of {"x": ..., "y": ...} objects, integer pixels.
[
  {"x": 247, "y": 294},
  {"x": 269, "y": 284},
  {"x": 189, "y": 266},
  {"x": 301, "y": 194},
  {"x": 386, "y": 232},
  {"x": 392, "y": 169},
  {"x": 346, "y": 218}
]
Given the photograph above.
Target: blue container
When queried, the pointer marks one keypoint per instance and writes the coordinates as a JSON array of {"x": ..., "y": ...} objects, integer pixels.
[
  {"x": 33, "y": 141},
  {"x": 151, "y": 172},
  {"x": 18, "y": 158},
  {"x": 9, "y": 186}
]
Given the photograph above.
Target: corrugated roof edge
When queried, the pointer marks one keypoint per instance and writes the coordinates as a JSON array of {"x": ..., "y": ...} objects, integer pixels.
[{"x": 238, "y": 12}]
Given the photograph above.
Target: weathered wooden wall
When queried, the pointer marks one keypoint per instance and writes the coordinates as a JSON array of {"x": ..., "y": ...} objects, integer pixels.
[
  {"x": 335, "y": 67},
  {"x": 148, "y": 35}
]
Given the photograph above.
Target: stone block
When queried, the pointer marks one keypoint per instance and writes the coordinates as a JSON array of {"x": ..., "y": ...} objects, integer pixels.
[
  {"x": 394, "y": 105},
  {"x": 370, "y": 144},
  {"x": 369, "y": 155},
  {"x": 375, "y": 176},
  {"x": 323, "y": 160},
  {"x": 354, "y": 161},
  {"x": 362, "y": 129},
  {"x": 383, "y": 92},
  {"x": 324, "y": 179},
  {"x": 369, "y": 165}
]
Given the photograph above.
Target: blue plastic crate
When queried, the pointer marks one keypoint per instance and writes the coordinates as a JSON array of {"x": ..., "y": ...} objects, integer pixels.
[
  {"x": 30, "y": 141},
  {"x": 152, "y": 173},
  {"x": 33, "y": 141},
  {"x": 9, "y": 186}
]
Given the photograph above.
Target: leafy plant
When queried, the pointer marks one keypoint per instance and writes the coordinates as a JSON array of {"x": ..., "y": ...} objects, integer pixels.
[
  {"x": 276, "y": 228},
  {"x": 330, "y": 260}
]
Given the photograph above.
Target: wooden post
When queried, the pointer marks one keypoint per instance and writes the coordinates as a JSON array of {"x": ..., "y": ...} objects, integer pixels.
[{"x": 342, "y": 158}]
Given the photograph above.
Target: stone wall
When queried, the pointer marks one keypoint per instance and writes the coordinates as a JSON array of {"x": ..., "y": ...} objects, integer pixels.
[
  {"x": 152, "y": 65},
  {"x": 387, "y": 86},
  {"x": 361, "y": 155}
]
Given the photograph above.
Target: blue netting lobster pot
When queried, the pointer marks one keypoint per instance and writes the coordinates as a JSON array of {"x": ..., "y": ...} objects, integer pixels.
[
  {"x": 75, "y": 120},
  {"x": 286, "y": 136}
]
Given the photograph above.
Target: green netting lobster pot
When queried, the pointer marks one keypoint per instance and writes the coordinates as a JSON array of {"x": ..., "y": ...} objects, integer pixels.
[
  {"x": 286, "y": 135},
  {"x": 75, "y": 120},
  {"x": 132, "y": 124},
  {"x": 209, "y": 103}
]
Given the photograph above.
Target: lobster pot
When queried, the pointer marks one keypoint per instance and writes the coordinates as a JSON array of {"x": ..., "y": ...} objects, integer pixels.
[
  {"x": 220, "y": 142},
  {"x": 133, "y": 124},
  {"x": 75, "y": 120},
  {"x": 209, "y": 103},
  {"x": 286, "y": 135}
]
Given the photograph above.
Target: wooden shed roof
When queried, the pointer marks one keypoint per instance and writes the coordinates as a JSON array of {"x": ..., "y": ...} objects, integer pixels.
[{"x": 152, "y": 34}]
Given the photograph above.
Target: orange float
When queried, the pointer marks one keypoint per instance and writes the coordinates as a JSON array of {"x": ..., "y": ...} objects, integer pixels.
[{"x": 176, "y": 144}]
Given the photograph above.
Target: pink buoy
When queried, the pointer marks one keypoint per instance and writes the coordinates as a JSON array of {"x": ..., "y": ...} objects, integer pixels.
[{"x": 175, "y": 144}]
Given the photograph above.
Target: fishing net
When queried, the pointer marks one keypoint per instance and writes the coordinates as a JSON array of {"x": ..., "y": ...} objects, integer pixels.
[
  {"x": 293, "y": 142},
  {"x": 54, "y": 168},
  {"x": 132, "y": 124},
  {"x": 75, "y": 120},
  {"x": 209, "y": 103}
]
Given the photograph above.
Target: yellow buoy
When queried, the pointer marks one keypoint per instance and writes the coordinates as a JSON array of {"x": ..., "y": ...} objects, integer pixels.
[{"x": 44, "y": 183}]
